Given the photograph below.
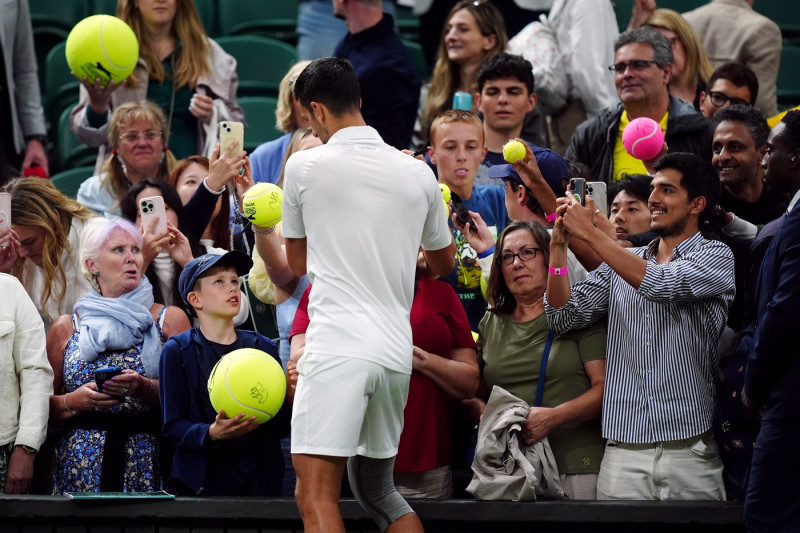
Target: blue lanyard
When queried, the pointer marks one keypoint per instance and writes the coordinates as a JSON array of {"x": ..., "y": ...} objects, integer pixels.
[{"x": 543, "y": 368}]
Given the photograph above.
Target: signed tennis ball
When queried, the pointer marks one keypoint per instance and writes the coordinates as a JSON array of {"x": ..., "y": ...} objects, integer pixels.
[
  {"x": 513, "y": 150},
  {"x": 263, "y": 204},
  {"x": 643, "y": 138},
  {"x": 104, "y": 47},
  {"x": 247, "y": 381}
]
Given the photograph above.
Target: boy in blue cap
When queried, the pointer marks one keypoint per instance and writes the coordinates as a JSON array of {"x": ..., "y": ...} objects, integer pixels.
[{"x": 216, "y": 455}]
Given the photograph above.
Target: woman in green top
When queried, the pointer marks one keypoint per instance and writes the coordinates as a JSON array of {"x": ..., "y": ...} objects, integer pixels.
[
  {"x": 513, "y": 336},
  {"x": 182, "y": 70}
]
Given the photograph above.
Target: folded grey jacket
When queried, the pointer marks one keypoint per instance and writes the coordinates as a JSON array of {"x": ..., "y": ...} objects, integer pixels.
[{"x": 504, "y": 467}]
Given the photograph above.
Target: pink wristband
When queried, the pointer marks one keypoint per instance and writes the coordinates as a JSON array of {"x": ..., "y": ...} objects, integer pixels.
[
  {"x": 558, "y": 271},
  {"x": 551, "y": 217}
]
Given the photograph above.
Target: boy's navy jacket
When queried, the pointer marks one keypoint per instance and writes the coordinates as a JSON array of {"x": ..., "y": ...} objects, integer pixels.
[{"x": 186, "y": 363}]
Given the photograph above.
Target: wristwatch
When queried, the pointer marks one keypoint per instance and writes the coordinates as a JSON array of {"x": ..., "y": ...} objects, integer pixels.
[
  {"x": 41, "y": 138},
  {"x": 27, "y": 449}
]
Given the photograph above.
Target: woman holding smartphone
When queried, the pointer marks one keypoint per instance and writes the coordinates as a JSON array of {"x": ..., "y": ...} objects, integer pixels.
[
  {"x": 109, "y": 438},
  {"x": 182, "y": 70}
]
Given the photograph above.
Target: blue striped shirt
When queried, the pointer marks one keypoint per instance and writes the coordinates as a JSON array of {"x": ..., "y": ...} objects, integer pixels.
[{"x": 662, "y": 339}]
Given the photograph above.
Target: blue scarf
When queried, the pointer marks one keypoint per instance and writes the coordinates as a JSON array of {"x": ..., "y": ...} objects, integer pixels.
[{"x": 118, "y": 324}]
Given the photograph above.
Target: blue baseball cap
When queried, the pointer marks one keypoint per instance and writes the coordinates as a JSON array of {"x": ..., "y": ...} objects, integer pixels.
[
  {"x": 552, "y": 166},
  {"x": 195, "y": 268}
]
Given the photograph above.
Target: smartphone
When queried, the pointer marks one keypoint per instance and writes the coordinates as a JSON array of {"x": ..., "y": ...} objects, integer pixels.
[
  {"x": 5, "y": 210},
  {"x": 101, "y": 375},
  {"x": 151, "y": 207},
  {"x": 597, "y": 191},
  {"x": 462, "y": 214},
  {"x": 230, "y": 132},
  {"x": 578, "y": 188}
]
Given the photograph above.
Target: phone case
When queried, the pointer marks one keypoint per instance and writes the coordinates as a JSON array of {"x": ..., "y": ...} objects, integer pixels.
[
  {"x": 578, "y": 188},
  {"x": 462, "y": 214},
  {"x": 597, "y": 191},
  {"x": 151, "y": 207},
  {"x": 5, "y": 210},
  {"x": 101, "y": 375},
  {"x": 230, "y": 132}
]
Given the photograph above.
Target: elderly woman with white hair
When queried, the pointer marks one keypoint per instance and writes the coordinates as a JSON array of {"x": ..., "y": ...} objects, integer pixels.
[{"x": 110, "y": 437}]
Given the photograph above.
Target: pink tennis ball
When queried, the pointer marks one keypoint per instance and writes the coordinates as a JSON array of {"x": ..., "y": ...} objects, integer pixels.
[{"x": 643, "y": 138}]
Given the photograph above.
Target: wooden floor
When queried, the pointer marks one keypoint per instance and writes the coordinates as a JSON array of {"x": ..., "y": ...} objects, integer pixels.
[{"x": 55, "y": 514}]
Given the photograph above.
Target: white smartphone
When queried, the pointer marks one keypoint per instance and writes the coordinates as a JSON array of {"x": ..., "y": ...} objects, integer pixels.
[
  {"x": 228, "y": 133},
  {"x": 597, "y": 191},
  {"x": 5, "y": 212},
  {"x": 150, "y": 208},
  {"x": 5, "y": 209}
]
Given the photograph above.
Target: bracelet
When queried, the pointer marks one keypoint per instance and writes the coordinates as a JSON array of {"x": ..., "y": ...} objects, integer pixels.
[
  {"x": 152, "y": 386},
  {"x": 264, "y": 232},
  {"x": 558, "y": 271},
  {"x": 486, "y": 253},
  {"x": 551, "y": 217},
  {"x": 71, "y": 411}
]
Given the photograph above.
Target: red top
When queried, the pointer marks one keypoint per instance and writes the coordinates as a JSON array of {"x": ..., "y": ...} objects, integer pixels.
[{"x": 438, "y": 325}]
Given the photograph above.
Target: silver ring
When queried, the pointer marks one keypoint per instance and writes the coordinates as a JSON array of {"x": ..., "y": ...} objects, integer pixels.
[
  {"x": 596, "y": 211},
  {"x": 124, "y": 391}
]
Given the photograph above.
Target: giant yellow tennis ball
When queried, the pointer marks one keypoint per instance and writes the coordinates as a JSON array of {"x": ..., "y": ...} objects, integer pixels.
[
  {"x": 513, "y": 150},
  {"x": 247, "y": 381},
  {"x": 263, "y": 204},
  {"x": 102, "y": 46}
]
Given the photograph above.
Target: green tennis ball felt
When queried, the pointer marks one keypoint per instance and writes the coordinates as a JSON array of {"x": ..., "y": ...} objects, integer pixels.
[
  {"x": 513, "y": 150},
  {"x": 247, "y": 381},
  {"x": 104, "y": 47},
  {"x": 263, "y": 204}
]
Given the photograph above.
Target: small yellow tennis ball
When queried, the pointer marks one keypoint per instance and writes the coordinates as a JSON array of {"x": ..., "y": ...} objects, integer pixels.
[
  {"x": 247, "y": 381},
  {"x": 446, "y": 194},
  {"x": 263, "y": 204},
  {"x": 102, "y": 46},
  {"x": 513, "y": 150}
]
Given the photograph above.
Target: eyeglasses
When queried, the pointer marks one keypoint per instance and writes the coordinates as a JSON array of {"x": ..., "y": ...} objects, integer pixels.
[
  {"x": 720, "y": 99},
  {"x": 525, "y": 255},
  {"x": 635, "y": 64},
  {"x": 134, "y": 136}
]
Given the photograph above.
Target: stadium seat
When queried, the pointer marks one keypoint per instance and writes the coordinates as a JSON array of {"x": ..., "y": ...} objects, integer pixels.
[
  {"x": 60, "y": 14},
  {"x": 69, "y": 181},
  {"x": 104, "y": 7},
  {"x": 785, "y": 14},
  {"x": 60, "y": 89},
  {"x": 789, "y": 77},
  {"x": 261, "y": 62},
  {"x": 71, "y": 153},
  {"x": 259, "y": 112},
  {"x": 418, "y": 57},
  {"x": 407, "y": 23},
  {"x": 274, "y": 18}
]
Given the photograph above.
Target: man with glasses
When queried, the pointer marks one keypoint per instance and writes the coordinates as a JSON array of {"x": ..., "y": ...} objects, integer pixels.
[
  {"x": 642, "y": 70},
  {"x": 731, "y": 84}
]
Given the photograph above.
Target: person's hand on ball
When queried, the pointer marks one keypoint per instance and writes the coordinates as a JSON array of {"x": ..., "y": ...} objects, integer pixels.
[
  {"x": 650, "y": 163},
  {"x": 99, "y": 94},
  {"x": 202, "y": 107},
  {"x": 226, "y": 166},
  {"x": 225, "y": 428}
]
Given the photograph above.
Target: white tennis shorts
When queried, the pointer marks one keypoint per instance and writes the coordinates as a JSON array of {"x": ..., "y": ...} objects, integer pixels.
[{"x": 346, "y": 406}]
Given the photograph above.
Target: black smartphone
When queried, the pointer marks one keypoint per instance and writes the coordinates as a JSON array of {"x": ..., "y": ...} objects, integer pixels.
[
  {"x": 578, "y": 188},
  {"x": 462, "y": 214},
  {"x": 101, "y": 375}
]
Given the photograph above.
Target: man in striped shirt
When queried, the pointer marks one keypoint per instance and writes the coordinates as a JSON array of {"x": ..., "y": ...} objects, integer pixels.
[{"x": 667, "y": 304}]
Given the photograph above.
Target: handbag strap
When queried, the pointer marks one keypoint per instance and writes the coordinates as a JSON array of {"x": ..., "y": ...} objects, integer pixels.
[{"x": 543, "y": 368}]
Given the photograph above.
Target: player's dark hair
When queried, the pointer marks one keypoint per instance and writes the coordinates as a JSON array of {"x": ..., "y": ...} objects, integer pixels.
[{"x": 330, "y": 81}]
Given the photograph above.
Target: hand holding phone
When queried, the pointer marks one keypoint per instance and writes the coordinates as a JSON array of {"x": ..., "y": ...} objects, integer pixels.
[
  {"x": 150, "y": 208},
  {"x": 462, "y": 214},
  {"x": 230, "y": 132},
  {"x": 101, "y": 375},
  {"x": 5, "y": 212},
  {"x": 577, "y": 187}
]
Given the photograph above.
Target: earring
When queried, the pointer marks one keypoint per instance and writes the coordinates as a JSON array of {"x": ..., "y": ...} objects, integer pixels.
[{"x": 96, "y": 273}]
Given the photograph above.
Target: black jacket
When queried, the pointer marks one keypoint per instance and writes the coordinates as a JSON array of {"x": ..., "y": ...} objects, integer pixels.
[{"x": 594, "y": 140}]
